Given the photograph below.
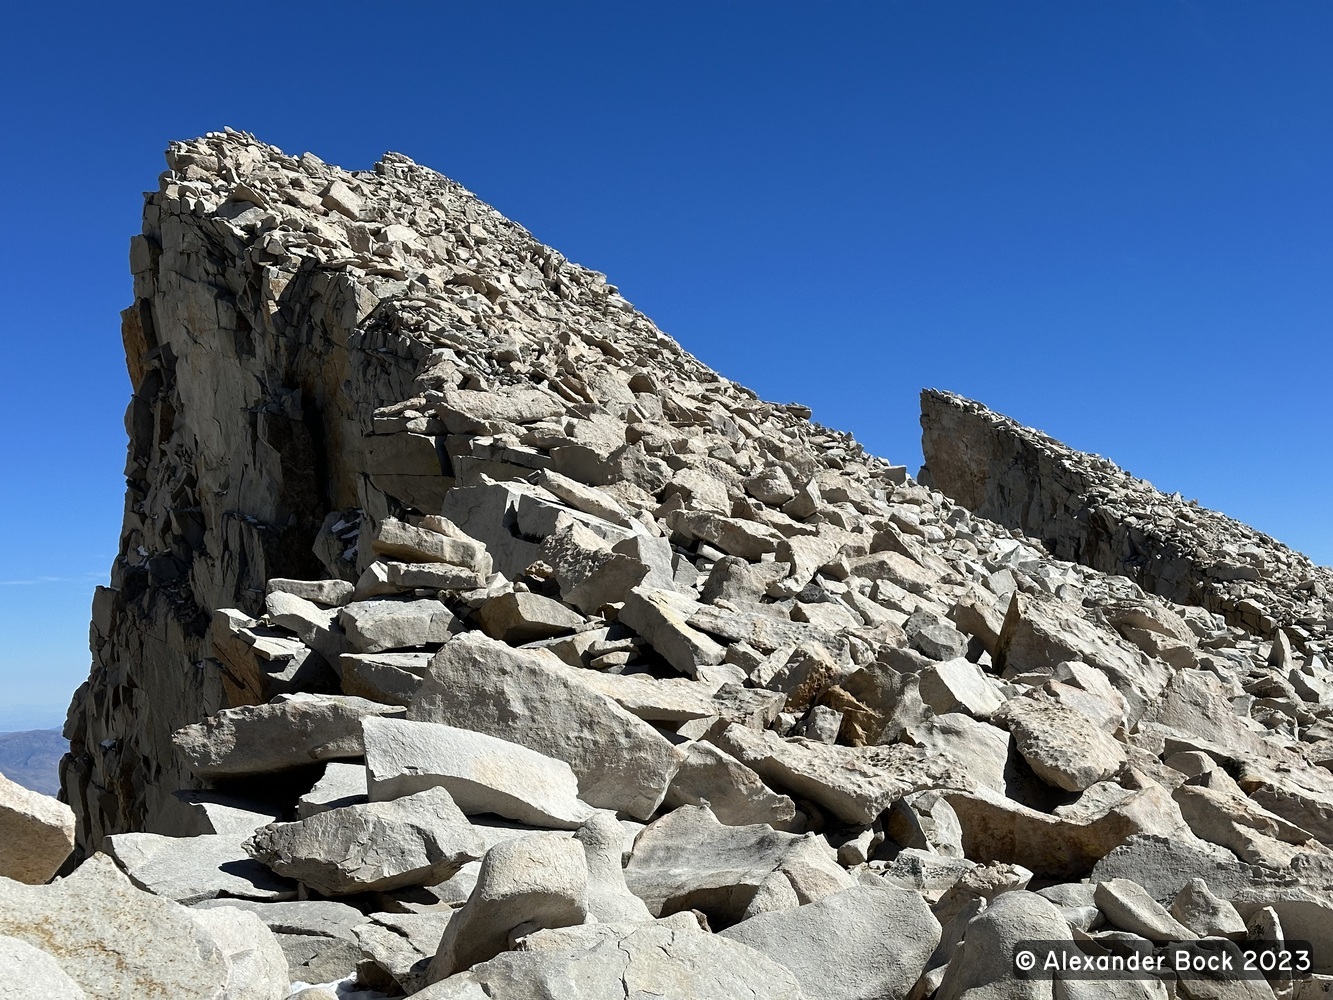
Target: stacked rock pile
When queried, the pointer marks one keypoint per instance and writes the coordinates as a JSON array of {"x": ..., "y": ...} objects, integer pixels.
[{"x": 470, "y": 639}]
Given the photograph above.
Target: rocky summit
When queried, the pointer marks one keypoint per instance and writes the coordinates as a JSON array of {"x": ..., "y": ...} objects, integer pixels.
[{"x": 468, "y": 638}]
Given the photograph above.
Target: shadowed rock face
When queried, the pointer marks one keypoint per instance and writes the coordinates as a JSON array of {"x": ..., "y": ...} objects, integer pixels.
[{"x": 1087, "y": 510}]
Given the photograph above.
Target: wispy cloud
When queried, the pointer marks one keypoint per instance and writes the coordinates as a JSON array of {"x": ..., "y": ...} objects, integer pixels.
[{"x": 38, "y": 580}]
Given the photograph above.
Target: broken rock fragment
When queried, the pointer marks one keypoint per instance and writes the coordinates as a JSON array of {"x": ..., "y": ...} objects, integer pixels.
[
  {"x": 734, "y": 793},
  {"x": 483, "y": 774},
  {"x": 518, "y": 618},
  {"x": 420, "y": 839},
  {"x": 191, "y": 869},
  {"x": 290, "y": 731},
  {"x": 524, "y": 885},
  {"x": 115, "y": 940},
  {"x": 477, "y": 683},
  {"x": 1054, "y": 846},
  {"x": 855, "y": 784},
  {"x": 688, "y": 860},
  {"x": 1059, "y": 745},
  {"x": 864, "y": 943},
  {"x": 661, "y": 618},
  {"x": 376, "y": 626},
  {"x": 36, "y": 833},
  {"x": 666, "y": 958},
  {"x": 400, "y": 541}
]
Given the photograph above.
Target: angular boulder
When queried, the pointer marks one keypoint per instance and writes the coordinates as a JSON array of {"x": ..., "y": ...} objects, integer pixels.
[
  {"x": 36, "y": 833},
  {"x": 420, "y": 839},
  {"x": 291, "y": 731},
  {"x": 478, "y": 683},
  {"x": 524, "y": 885},
  {"x": 670, "y": 958},
  {"x": 115, "y": 940},
  {"x": 869, "y": 942},
  {"x": 483, "y": 774}
]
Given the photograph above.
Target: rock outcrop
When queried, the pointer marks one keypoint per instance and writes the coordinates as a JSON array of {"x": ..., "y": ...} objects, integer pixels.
[
  {"x": 469, "y": 638},
  {"x": 1086, "y": 509}
]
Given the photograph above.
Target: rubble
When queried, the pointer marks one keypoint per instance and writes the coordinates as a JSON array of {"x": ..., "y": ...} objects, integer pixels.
[{"x": 450, "y": 587}]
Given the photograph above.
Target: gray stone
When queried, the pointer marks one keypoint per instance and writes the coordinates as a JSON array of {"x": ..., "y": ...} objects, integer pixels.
[
  {"x": 389, "y": 678},
  {"x": 190, "y": 869},
  {"x": 1062, "y": 847},
  {"x": 765, "y": 632},
  {"x": 654, "y": 699},
  {"x": 420, "y": 839},
  {"x": 483, "y": 774},
  {"x": 401, "y": 576},
  {"x": 402, "y": 542},
  {"x": 590, "y": 575},
  {"x": 746, "y": 539},
  {"x": 775, "y": 892},
  {"x": 934, "y": 638},
  {"x": 36, "y": 833},
  {"x": 1196, "y": 702},
  {"x": 403, "y": 944},
  {"x": 957, "y": 685},
  {"x": 1165, "y": 865},
  {"x": 330, "y": 593},
  {"x": 469, "y": 411},
  {"x": 1059, "y": 745},
  {"x": 734, "y": 793},
  {"x": 1129, "y": 906},
  {"x": 112, "y": 939},
  {"x": 518, "y": 618},
  {"x": 855, "y": 784},
  {"x": 324, "y": 918},
  {"x": 488, "y": 512},
  {"x": 981, "y": 753},
  {"x": 533, "y": 882},
  {"x": 1302, "y": 912},
  {"x": 1222, "y": 814},
  {"x": 340, "y": 198},
  {"x": 983, "y": 968},
  {"x": 926, "y": 873},
  {"x": 29, "y": 971},
  {"x": 215, "y": 812},
  {"x": 315, "y": 626},
  {"x": 670, "y": 958},
  {"x": 1040, "y": 633},
  {"x": 688, "y": 860},
  {"x": 256, "y": 966},
  {"x": 340, "y": 785},
  {"x": 291, "y": 731},
  {"x": 588, "y": 499},
  {"x": 925, "y": 820},
  {"x": 869, "y": 942},
  {"x": 375, "y": 626},
  {"x": 262, "y": 660},
  {"x": 660, "y": 616},
  {"x": 1204, "y": 914},
  {"x": 621, "y": 762},
  {"x": 771, "y": 486}
]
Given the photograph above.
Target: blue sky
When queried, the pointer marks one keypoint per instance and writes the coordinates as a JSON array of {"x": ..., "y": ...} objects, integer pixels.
[{"x": 1110, "y": 220}]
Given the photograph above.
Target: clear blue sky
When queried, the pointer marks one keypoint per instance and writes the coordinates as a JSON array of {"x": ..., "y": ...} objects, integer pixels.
[{"x": 1111, "y": 220}]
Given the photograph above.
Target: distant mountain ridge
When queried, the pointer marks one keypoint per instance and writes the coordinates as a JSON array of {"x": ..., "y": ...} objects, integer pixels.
[{"x": 32, "y": 758}]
